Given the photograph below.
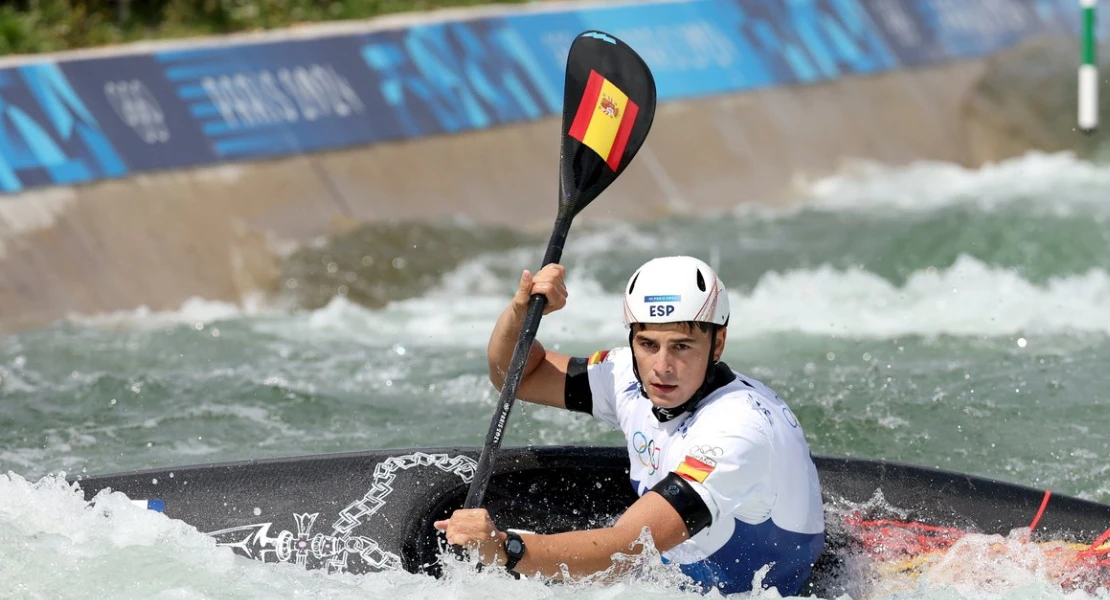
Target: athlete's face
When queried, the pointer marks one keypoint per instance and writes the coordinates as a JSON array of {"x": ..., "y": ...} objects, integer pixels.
[{"x": 672, "y": 360}]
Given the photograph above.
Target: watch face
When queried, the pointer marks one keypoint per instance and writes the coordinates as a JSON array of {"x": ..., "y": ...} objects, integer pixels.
[{"x": 514, "y": 547}]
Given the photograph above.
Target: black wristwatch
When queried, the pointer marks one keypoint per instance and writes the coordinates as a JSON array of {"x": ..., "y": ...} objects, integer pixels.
[{"x": 514, "y": 549}]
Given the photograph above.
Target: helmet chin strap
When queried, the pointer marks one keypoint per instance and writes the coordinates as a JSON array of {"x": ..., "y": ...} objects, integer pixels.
[{"x": 717, "y": 374}]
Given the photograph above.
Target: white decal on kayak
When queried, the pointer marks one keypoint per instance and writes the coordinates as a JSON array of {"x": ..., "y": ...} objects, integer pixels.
[{"x": 254, "y": 541}]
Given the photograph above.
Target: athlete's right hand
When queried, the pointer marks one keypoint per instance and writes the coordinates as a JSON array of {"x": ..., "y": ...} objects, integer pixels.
[{"x": 549, "y": 281}]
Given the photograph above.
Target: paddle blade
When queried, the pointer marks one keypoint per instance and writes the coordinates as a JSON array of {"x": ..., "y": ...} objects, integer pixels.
[{"x": 608, "y": 108}]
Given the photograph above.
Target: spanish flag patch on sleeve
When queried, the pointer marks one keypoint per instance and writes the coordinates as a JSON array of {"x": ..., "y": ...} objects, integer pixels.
[
  {"x": 693, "y": 469},
  {"x": 598, "y": 356}
]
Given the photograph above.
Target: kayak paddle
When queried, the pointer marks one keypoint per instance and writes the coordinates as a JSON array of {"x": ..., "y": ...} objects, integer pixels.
[{"x": 608, "y": 108}]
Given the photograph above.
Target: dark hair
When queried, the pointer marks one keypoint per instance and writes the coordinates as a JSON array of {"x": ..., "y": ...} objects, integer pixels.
[{"x": 689, "y": 325}]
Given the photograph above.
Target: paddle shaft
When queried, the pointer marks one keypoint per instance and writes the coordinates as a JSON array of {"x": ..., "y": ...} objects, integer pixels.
[
  {"x": 594, "y": 151},
  {"x": 515, "y": 373}
]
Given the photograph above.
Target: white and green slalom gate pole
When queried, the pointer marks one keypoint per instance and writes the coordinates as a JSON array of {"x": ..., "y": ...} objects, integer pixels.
[{"x": 1088, "y": 72}]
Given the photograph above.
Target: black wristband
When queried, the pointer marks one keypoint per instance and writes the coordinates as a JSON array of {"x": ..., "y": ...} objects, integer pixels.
[
  {"x": 682, "y": 496},
  {"x": 577, "y": 395}
]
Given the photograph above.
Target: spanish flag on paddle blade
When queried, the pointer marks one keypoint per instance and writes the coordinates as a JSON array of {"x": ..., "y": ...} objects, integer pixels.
[{"x": 604, "y": 119}]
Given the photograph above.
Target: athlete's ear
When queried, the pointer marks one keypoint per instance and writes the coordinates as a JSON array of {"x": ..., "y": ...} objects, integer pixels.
[{"x": 722, "y": 334}]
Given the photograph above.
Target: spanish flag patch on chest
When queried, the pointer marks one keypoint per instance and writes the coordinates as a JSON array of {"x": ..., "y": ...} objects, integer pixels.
[{"x": 693, "y": 469}]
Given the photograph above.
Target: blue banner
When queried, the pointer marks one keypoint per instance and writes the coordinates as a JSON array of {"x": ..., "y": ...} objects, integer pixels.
[
  {"x": 923, "y": 32},
  {"x": 692, "y": 48},
  {"x": 277, "y": 98},
  {"x": 139, "y": 112},
  {"x": 48, "y": 135},
  {"x": 452, "y": 77},
  {"x": 814, "y": 40},
  {"x": 78, "y": 121}
]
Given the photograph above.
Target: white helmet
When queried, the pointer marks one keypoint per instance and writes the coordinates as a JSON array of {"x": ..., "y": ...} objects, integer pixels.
[{"x": 675, "y": 289}]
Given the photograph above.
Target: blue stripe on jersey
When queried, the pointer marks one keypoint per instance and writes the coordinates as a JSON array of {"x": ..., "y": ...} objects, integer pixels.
[{"x": 731, "y": 568}]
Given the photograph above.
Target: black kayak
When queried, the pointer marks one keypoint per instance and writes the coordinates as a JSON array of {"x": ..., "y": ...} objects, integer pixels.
[{"x": 369, "y": 511}]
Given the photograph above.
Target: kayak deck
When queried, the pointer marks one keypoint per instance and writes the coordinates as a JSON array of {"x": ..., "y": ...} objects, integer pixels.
[{"x": 367, "y": 511}]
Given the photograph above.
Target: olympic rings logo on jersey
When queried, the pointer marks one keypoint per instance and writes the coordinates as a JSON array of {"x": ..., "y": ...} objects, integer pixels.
[
  {"x": 706, "y": 453},
  {"x": 707, "y": 450},
  {"x": 646, "y": 451}
]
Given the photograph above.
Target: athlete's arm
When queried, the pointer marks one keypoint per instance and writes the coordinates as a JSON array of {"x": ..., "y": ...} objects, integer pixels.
[
  {"x": 544, "y": 379},
  {"x": 582, "y": 552}
]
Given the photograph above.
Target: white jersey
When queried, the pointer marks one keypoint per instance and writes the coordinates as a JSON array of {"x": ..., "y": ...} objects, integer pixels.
[{"x": 744, "y": 453}]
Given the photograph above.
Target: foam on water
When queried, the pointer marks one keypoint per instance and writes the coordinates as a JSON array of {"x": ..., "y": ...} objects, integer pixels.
[
  {"x": 1057, "y": 183},
  {"x": 968, "y": 299},
  {"x": 193, "y": 311}
]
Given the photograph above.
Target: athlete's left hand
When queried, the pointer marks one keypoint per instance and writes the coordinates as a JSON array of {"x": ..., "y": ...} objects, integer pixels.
[{"x": 475, "y": 531}]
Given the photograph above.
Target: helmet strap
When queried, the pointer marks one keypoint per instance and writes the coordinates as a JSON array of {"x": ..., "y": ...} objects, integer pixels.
[{"x": 717, "y": 375}]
